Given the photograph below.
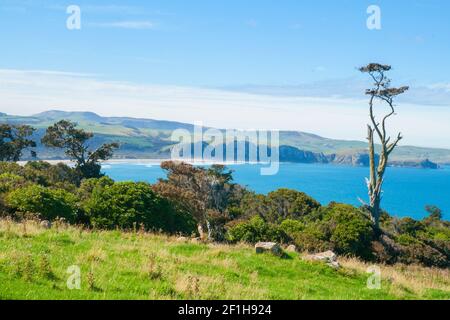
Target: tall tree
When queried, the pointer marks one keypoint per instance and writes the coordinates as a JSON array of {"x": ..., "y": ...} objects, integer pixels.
[
  {"x": 65, "y": 135},
  {"x": 14, "y": 139},
  {"x": 381, "y": 92},
  {"x": 204, "y": 193}
]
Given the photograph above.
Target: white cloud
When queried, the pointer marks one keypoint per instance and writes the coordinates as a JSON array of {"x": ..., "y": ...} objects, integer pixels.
[
  {"x": 29, "y": 92},
  {"x": 124, "y": 24}
]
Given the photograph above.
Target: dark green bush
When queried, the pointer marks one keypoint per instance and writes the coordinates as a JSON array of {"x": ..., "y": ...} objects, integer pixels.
[
  {"x": 128, "y": 204},
  {"x": 351, "y": 230},
  {"x": 339, "y": 227},
  {"x": 57, "y": 176},
  {"x": 88, "y": 185},
  {"x": 290, "y": 204},
  {"x": 10, "y": 181},
  {"x": 48, "y": 203},
  {"x": 292, "y": 227},
  {"x": 256, "y": 230}
]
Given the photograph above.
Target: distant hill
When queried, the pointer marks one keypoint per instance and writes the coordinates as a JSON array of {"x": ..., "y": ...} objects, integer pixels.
[{"x": 148, "y": 138}]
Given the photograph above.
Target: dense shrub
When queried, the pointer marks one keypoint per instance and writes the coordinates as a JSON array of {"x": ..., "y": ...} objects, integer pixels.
[
  {"x": 256, "y": 230},
  {"x": 292, "y": 227},
  {"x": 10, "y": 181},
  {"x": 290, "y": 204},
  {"x": 43, "y": 173},
  {"x": 11, "y": 167},
  {"x": 88, "y": 186},
  {"x": 339, "y": 227},
  {"x": 58, "y": 176},
  {"x": 47, "y": 203},
  {"x": 128, "y": 204},
  {"x": 278, "y": 206},
  {"x": 351, "y": 230}
]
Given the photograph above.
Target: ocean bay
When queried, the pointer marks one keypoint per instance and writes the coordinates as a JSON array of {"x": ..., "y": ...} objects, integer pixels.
[{"x": 406, "y": 191}]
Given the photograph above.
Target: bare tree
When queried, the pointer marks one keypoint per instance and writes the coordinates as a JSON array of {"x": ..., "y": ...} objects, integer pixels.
[{"x": 381, "y": 92}]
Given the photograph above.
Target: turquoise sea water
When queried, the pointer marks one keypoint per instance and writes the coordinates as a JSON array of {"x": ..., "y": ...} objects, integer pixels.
[{"x": 406, "y": 191}]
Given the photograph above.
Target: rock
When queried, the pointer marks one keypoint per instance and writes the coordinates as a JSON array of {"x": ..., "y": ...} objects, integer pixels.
[
  {"x": 271, "y": 247},
  {"x": 291, "y": 248},
  {"x": 196, "y": 240},
  {"x": 182, "y": 239},
  {"x": 46, "y": 224},
  {"x": 328, "y": 257},
  {"x": 334, "y": 264}
]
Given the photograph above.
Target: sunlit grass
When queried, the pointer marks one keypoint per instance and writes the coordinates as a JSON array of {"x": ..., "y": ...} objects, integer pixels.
[{"x": 119, "y": 265}]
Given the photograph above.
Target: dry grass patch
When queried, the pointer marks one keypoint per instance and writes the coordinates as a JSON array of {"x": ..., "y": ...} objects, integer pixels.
[{"x": 403, "y": 278}]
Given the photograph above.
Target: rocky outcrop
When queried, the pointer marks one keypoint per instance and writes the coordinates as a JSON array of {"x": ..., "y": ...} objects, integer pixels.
[
  {"x": 292, "y": 154},
  {"x": 358, "y": 159},
  {"x": 425, "y": 164},
  {"x": 271, "y": 247},
  {"x": 291, "y": 248},
  {"x": 328, "y": 257}
]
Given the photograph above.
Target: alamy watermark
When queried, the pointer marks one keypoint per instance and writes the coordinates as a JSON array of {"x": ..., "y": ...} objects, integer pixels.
[
  {"x": 374, "y": 19},
  {"x": 74, "y": 279},
  {"x": 228, "y": 147},
  {"x": 374, "y": 281},
  {"x": 73, "y": 22}
]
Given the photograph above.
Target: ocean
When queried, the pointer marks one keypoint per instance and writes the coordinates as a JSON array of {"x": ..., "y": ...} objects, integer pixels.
[{"x": 406, "y": 190}]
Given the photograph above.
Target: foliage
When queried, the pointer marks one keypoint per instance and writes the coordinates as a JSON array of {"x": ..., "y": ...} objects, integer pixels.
[
  {"x": 208, "y": 197},
  {"x": 346, "y": 229},
  {"x": 13, "y": 140},
  {"x": 384, "y": 93},
  {"x": 56, "y": 176},
  {"x": 133, "y": 205},
  {"x": 292, "y": 227},
  {"x": 290, "y": 204},
  {"x": 88, "y": 186},
  {"x": 48, "y": 203},
  {"x": 65, "y": 135},
  {"x": 10, "y": 181},
  {"x": 206, "y": 194},
  {"x": 256, "y": 230},
  {"x": 278, "y": 205}
]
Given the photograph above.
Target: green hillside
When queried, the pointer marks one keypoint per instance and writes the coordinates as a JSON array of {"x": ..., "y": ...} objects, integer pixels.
[
  {"x": 147, "y": 138},
  {"x": 135, "y": 265}
]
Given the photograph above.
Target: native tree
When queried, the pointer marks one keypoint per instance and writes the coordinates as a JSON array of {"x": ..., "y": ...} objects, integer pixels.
[
  {"x": 65, "y": 135},
  {"x": 14, "y": 139},
  {"x": 205, "y": 193},
  {"x": 383, "y": 93}
]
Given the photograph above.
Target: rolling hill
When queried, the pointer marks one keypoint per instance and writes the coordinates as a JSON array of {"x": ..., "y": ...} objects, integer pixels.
[{"x": 148, "y": 138}]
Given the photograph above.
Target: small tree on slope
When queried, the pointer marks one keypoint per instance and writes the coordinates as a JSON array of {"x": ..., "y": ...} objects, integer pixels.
[{"x": 384, "y": 93}]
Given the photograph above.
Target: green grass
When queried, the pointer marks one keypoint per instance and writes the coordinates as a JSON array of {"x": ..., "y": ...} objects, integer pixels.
[{"x": 117, "y": 265}]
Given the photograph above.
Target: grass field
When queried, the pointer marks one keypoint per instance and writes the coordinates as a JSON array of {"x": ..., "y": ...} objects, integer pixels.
[{"x": 134, "y": 265}]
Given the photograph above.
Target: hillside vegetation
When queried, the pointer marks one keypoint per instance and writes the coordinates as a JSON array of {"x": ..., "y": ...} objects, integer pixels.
[
  {"x": 147, "y": 138},
  {"x": 139, "y": 265}
]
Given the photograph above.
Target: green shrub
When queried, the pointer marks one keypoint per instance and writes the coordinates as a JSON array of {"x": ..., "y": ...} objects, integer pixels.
[
  {"x": 48, "y": 203},
  {"x": 11, "y": 167},
  {"x": 256, "y": 230},
  {"x": 339, "y": 227},
  {"x": 314, "y": 238},
  {"x": 57, "y": 176},
  {"x": 290, "y": 204},
  {"x": 10, "y": 181},
  {"x": 88, "y": 185},
  {"x": 128, "y": 204},
  {"x": 351, "y": 230},
  {"x": 292, "y": 227},
  {"x": 406, "y": 239}
]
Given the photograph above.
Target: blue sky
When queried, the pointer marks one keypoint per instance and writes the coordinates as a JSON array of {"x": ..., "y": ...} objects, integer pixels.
[
  {"x": 227, "y": 42},
  {"x": 265, "y": 59}
]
